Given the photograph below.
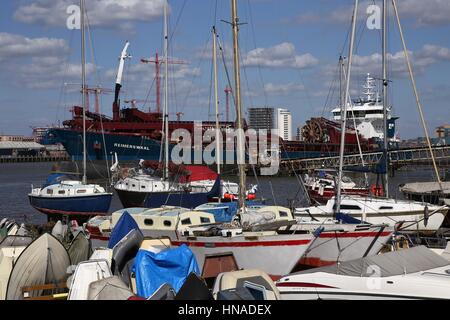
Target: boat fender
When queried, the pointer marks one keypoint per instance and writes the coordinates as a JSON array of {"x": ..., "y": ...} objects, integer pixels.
[
  {"x": 321, "y": 189},
  {"x": 426, "y": 215},
  {"x": 376, "y": 190},
  {"x": 229, "y": 196}
]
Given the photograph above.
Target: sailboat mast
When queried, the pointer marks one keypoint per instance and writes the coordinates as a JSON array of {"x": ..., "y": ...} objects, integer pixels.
[
  {"x": 416, "y": 94},
  {"x": 237, "y": 92},
  {"x": 385, "y": 101},
  {"x": 166, "y": 95},
  {"x": 216, "y": 99},
  {"x": 83, "y": 87},
  {"x": 344, "y": 106}
]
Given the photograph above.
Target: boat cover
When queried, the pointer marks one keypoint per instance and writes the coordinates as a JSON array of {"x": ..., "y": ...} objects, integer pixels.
[
  {"x": 389, "y": 264},
  {"x": 194, "y": 288},
  {"x": 16, "y": 241},
  {"x": 225, "y": 211},
  {"x": 164, "y": 292},
  {"x": 446, "y": 253},
  {"x": 170, "y": 266},
  {"x": 44, "y": 261},
  {"x": 80, "y": 249},
  {"x": 56, "y": 178},
  {"x": 426, "y": 187},
  {"x": 125, "y": 250},
  {"x": 198, "y": 173},
  {"x": 125, "y": 224},
  {"x": 347, "y": 219},
  {"x": 111, "y": 288}
]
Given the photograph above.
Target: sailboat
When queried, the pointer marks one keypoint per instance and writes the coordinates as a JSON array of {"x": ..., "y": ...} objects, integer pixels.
[
  {"x": 405, "y": 215},
  {"x": 272, "y": 252},
  {"x": 76, "y": 199},
  {"x": 149, "y": 191}
]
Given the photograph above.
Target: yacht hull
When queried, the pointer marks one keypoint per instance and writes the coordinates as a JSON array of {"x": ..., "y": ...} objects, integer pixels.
[
  {"x": 75, "y": 207},
  {"x": 276, "y": 255}
]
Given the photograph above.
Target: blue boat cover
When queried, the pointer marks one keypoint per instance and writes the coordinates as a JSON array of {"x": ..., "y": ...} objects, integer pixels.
[
  {"x": 171, "y": 266},
  {"x": 125, "y": 224},
  {"x": 225, "y": 211},
  {"x": 55, "y": 178},
  {"x": 347, "y": 219}
]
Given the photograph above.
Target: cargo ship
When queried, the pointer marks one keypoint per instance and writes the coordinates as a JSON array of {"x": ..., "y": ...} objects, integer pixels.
[{"x": 134, "y": 134}]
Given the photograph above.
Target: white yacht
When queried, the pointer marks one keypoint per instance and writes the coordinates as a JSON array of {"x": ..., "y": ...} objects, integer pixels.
[{"x": 403, "y": 214}]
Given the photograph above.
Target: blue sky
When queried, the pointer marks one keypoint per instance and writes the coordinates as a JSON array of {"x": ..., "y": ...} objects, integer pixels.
[{"x": 289, "y": 53}]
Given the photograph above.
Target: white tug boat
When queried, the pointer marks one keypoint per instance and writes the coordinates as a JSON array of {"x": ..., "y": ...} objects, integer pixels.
[{"x": 367, "y": 113}]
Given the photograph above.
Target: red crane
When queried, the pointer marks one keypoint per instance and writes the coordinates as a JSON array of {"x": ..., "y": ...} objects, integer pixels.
[
  {"x": 97, "y": 91},
  {"x": 158, "y": 63},
  {"x": 227, "y": 93}
]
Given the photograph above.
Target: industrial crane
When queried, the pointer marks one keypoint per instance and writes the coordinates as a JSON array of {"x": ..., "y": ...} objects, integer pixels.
[{"x": 157, "y": 61}]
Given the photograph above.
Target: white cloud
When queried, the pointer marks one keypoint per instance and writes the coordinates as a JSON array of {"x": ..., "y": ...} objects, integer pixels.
[
  {"x": 283, "y": 89},
  {"x": 13, "y": 46},
  {"x": 421, "y": 59},
  {"x": 430, "y": 12},
  {"x": 37, "y": 62},
  {"x": 282, "y": 55},
  {"x": 423, "y": 13},
  {"x": 110, "y": 13}
]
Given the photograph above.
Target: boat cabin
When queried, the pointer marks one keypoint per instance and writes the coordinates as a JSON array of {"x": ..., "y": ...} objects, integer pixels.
[{"x": 67, "y": 188}]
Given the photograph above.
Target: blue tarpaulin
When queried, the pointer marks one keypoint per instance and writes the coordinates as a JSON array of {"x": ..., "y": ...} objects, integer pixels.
[
  {"x": 225, "y": 211},
  {"x": 55, "y": 178},
  {"x": 347, "y": 219},
  {"x": 170, "y": 266},
  {"x": 125, "y": 224}
]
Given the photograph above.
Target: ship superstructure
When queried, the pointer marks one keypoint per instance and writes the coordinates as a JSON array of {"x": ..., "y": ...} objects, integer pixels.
[{"x": 366, "y": 113}]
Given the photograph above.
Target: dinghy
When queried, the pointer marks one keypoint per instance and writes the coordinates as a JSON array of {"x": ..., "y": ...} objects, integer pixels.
[
  {"x": 86, "y": 273},
  {"x": 111, "y": 288},
  {"x": 10, "y": 249},
  {"x": 80, "y": 249},
  {"x": 257, "y": 285},
  {"x": 44, "y": 261}
]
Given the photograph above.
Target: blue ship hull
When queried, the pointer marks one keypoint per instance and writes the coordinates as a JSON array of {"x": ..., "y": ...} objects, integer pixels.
[
  {"x": 131, "y": 199},
  {"x": 133, "y": 147},
  {"x": 78, "y": 208}
]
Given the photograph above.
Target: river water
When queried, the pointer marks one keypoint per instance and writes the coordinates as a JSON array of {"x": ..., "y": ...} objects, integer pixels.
[{"x": 16, "y": 180}]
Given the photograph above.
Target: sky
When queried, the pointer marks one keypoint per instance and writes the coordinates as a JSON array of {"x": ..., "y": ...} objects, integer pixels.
[{"x": 289, "y": 51}]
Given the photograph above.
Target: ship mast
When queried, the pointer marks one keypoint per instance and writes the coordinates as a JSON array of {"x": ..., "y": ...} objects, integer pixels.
[
  {"x": 166, "y": 96},
  {"x": 385, "y": 102},
  {"x": 344, "y": 119},
  {"x": 237, "y": 91},
  {"x": 216, "y": 100},
  {"x": 83, "y": 88}
]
